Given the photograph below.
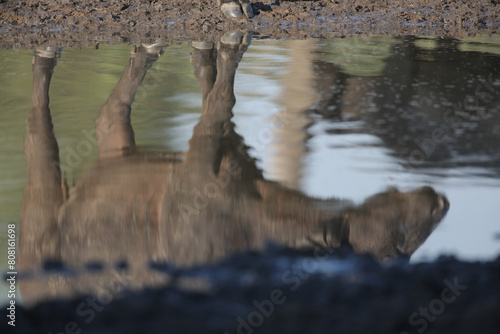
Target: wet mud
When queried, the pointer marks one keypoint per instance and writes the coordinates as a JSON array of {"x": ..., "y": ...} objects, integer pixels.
[{"x": 26, "y": 23}]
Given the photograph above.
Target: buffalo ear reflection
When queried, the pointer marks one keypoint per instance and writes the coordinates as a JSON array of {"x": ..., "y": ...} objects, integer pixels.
[{"x": 186, "y": 208}]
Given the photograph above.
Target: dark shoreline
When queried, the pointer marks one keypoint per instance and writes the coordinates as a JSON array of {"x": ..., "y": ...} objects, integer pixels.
[{"x": 286, "y": 291}]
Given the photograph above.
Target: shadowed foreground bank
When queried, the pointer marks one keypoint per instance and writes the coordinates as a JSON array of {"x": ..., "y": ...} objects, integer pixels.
[{"x": 288, "y": 291}]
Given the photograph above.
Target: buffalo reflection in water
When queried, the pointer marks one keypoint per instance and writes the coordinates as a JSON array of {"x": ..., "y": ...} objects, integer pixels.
[{"x": 185, "y": 208}]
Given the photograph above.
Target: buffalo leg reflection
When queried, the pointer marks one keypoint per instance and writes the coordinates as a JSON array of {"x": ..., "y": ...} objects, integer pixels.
[
  {"x": 113, "y": 128},
  {"x": 39, "y": 237},
  {"x": 43, "y": 194}
]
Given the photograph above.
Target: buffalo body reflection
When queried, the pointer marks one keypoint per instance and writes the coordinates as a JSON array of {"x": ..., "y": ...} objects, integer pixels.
[{"x": 187, "y": 208}]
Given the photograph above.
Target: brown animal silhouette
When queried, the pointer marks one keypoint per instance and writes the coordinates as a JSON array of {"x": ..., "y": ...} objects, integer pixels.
[{"x": 186, "y": 208}]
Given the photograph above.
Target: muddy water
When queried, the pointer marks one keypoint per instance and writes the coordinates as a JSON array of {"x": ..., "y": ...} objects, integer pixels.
[{"x": 345, "y": 118}]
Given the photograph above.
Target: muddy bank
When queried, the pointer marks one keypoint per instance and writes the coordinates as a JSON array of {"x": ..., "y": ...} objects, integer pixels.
[
  {"x": 285, "y": 291},
  {"x": 24, "y": 23}
]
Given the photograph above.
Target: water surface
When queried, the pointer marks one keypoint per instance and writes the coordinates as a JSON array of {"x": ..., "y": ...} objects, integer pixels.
[{"x": 345, "y": 118}]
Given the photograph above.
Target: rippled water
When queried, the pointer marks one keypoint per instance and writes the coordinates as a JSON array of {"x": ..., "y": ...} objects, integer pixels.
[{"x": 345, "y": 118}]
